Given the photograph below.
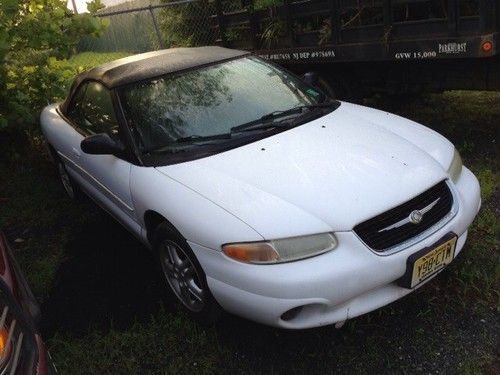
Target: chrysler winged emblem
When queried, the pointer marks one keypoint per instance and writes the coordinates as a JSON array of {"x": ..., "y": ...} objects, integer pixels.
[{"x": 415, "y": 217}]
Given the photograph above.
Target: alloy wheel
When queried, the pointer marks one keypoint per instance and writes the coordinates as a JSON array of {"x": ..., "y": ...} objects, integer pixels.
[{"x": 182, "y": 276}]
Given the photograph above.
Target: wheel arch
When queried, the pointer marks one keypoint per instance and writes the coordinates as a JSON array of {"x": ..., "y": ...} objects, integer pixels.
[
  {"x": 152, "y": 219},
  {"x": 52, "y": 152}
]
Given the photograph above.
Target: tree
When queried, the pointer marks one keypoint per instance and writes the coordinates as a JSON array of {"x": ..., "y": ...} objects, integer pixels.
[
  {"x": 187, "y": 25},
  {"x": 94, "y": 6},
  {"x": 34, "y": 36}
]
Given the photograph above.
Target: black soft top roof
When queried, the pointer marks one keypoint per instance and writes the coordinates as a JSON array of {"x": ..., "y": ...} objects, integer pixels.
[
  {"x": 157, "y": 63},
  {"x": 152, "y": 64}
]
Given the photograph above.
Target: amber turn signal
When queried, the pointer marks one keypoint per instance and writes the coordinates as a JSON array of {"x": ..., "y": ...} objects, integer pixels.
[
  {"x": 256, "y": 252},
  {"x": 4, "y": 338}
]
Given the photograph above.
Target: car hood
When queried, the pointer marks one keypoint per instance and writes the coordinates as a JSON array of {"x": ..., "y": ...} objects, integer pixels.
[{"x": 327, "y": 175}]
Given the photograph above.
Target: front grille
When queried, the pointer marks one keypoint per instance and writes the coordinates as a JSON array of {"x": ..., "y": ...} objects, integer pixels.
[{"x": 392, "y": 227}]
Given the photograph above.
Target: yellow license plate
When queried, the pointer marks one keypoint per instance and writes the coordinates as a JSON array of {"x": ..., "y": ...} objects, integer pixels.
[{"x": 433, "y": 261}]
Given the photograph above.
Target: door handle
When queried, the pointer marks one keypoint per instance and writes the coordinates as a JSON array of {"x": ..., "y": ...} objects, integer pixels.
[{"x": 76, "y": 152}]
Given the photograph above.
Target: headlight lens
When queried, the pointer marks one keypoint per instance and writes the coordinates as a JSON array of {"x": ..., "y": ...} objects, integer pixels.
[
  {"x": 282, "y": 250},
  {"x": 455, "y": 167}
]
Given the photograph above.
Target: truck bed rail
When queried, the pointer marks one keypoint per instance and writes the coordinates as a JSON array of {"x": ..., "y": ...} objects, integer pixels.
[{"x": 361, "y": 30}]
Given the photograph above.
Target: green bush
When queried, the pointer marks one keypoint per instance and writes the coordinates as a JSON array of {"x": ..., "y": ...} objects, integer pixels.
[
  {"x": 45, "y": 80},
  {"x": 31, "y": 86},
  {"x": 36, "y": 36}
]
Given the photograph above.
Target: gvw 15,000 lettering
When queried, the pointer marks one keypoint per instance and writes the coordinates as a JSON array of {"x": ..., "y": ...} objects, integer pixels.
[{"x": 416, "y": 55}]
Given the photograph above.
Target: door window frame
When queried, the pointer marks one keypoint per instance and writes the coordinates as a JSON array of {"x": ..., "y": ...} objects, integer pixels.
[{"x": 132, "y": 153}]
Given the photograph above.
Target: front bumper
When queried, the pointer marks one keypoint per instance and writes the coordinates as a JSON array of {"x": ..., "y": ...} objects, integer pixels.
[{"x": 333, "y": 287}]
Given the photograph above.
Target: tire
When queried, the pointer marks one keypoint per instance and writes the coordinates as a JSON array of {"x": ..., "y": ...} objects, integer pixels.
[
  {"x": 70, "y": 187},
  {"x": 184, "y": 278}
]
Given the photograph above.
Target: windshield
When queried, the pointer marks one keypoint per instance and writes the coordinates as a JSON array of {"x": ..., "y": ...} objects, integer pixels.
[{"x": 211, "y": 102}]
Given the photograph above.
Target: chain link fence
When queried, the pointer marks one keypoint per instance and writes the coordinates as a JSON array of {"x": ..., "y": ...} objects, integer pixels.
[{"x": 144, "y": 26}]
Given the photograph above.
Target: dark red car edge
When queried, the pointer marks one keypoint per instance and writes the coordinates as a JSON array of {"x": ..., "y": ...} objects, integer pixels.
[{"x": 22, "y": 350}]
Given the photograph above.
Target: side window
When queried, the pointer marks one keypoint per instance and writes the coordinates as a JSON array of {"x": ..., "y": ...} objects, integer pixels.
[
  {"x": 75, "y": 112},
  {"x": 92, "y": 109}
]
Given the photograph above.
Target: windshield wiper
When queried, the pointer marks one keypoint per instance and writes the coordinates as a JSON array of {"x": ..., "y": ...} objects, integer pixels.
[
  {"x": 263, "y": 122},
  {"x": 181, "y": 144},
  {"x": 261, "y": 126},
  {"x": 196, "y": 138},
  {"x": 300, "y": 108}
]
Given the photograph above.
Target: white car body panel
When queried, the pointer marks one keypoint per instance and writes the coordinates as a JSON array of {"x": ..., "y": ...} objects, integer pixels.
[
  {"x": 194, "y": 216},
  {"x": 426, "y": 139},
  {"x": 324, "y": 176},
  {"x": 327, "y": 175},
  {"x": 105, "y": 178},
  {"x": 346, "y": 282}
]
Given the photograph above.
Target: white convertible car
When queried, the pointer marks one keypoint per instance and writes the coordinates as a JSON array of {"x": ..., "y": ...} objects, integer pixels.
[{"x": 260, "y": 195}]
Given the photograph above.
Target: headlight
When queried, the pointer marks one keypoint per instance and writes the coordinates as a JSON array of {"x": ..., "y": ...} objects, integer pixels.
[
  {"x": 455, "y": 167},
  {"x": 283, "y": 250}
]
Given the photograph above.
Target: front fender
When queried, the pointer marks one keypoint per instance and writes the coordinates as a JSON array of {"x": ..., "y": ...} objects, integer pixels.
[{"x": 198, "y": 219}]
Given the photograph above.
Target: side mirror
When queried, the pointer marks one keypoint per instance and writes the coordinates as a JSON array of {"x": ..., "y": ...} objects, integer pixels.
[
  {"x": 311, "y": 78},
  {"x": 102, "y": 144}
]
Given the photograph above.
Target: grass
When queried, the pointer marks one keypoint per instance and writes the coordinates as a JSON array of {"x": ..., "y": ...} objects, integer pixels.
[
  {"x": 488, "y": 180},
  {"x": 159, "y": 353},
  {"x": 88, "y": 60},
  {"x": 104, "y": 310}
]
